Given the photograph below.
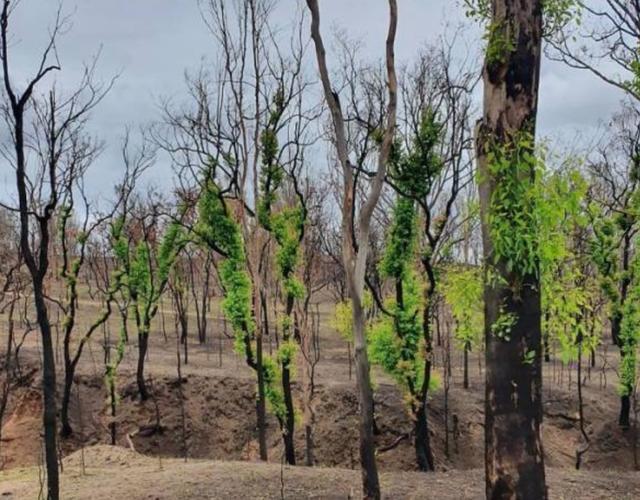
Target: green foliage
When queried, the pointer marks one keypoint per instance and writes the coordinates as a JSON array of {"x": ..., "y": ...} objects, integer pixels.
[
  {"x": 220, "y": 232},
  {"x": 556, "y": 13},
  {"x": 272, "y": 173},
  {"x": 514, "y": 209},
  {"x": 630, "y": 331},
  {"x": 415, "y": 171},
  {"x": 499, "y": 36},
  {"x": 559, "y": 13},
  {"x": 273, "y": 394},
  {"x": 633, "y": 84},
  {"x": 112, "y": 366},
  {"x": 630, "y": 335},
  {"x": 343, "y": 317},
  {"x": 396, "y": 343},
  {"x": 604, "y": 252},
  {"x": 478, "y": 9},
  {"x": 503, "y": 324},
  {"x": 500, "y": 42},
  {"x": 605, "y": 248},
  {"x": 401, "y": 240},
  {"x": 568, "y": 291},
  {"x": 462, "y": 288},
  {"x": 287, "y": 227}
]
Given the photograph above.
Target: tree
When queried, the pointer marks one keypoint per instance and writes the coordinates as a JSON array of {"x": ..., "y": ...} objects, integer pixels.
[
  {"x": 616, "y": 188},
  {"x": 219, "y": 147},
  {"x": 505, "y": 138},
  {"x": 355, "y": 255},
  {"x": 47, "y": 125},
  {"x": 462, "y": 290},
  {"x": 74, "y": 240},
  {"x": 146, "y": 248},
  {"x": 287, "y": 226},
  {"x": 601, "y": 38}
]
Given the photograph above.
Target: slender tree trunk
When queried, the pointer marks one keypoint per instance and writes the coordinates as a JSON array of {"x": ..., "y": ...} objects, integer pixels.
[
  {"x": 66, "y": 429},
  {"x": 289, "y": 421},
  {"x": 261, "y": 409},
  {"x": 581, "y": 450},
  {"x": 369, "y": 468},
  {"x": 465, "y": 375},
  {"x": 184, "y": 331},
  {"x": 49, "y": 391},
  {"x": 143, "y": 346},
  {"x": 514, "y": 460},
  {"x": 355, "y": 260},
  {"x": 113, "y": 427}
]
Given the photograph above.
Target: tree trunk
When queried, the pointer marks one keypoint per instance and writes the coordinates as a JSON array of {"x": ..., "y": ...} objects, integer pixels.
[
  {"x": 370, "y": 482},
  {"x": 625, "y": 409},
  {"x": 261, "y": 409},
  {"x": 184, "y": 331},
  {"x": 289, "y": 420},
  {"x": 112, "y": 401},
  {"x": 49, "y": 391},
  {"x": 514, "y": 461},
  {"x": 66, "y": 429},
  {"x": 143, "y": 345},
  {"x": 422, "y": 443},
  {"x": 465, "y": 377}
]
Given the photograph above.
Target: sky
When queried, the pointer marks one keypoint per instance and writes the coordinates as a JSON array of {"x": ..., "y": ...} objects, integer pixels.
[{"x": 151, "y": 43}]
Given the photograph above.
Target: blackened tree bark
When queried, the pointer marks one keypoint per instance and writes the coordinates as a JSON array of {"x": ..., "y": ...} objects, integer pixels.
[{"x": 514, "y": 462}]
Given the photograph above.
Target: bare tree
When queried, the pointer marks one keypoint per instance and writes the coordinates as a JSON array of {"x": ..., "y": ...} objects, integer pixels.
[
  {"x": 601, "y": 38},
  {"x": 47, "y": 126},
  {"x": 355, "y": 255}
]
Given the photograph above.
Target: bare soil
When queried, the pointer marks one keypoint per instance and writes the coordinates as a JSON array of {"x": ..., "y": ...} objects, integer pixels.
[
  {"x": 220, "y": 443},
  {"x": 114, "y": 472}
]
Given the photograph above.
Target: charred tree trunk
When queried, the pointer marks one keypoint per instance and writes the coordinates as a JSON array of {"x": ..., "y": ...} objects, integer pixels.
[
  {"x": 514, "y": 461},
  {"x": 184, "y": 331},
  {"x": 49, "y": 391},
  {"x": 261, "y": 408},
  {"x": 66, "y": 429},
  {"x": 143, "y": 346},
  {"x": 465, "y": 368},
  {"x": 422, "y": 443},
  {"x": 624, "y": 419},
  {"x": 289, "y": 420}
]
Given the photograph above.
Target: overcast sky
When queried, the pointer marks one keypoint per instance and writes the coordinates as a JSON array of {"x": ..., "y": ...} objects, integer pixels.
[{"x": 151, "y": 43}]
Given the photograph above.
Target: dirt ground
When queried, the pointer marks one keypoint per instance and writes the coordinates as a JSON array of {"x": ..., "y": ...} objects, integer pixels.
[
  {"x": 221, "y": 440},
  {"x": 113, "y": 472}
]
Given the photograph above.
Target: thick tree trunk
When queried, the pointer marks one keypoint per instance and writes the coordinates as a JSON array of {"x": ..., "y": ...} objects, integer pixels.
[
  {"x": 625, "y": 409},
  {"x": 422, "y": 443},
  {"x": 514, "y": 462},
  {"x": 143, "y": 346}
]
